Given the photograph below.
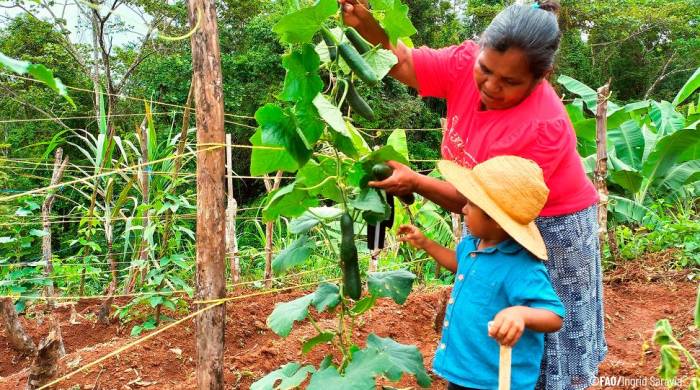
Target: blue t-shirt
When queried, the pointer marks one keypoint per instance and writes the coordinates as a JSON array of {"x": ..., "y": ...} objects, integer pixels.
[{"x": 488, "y": 281}]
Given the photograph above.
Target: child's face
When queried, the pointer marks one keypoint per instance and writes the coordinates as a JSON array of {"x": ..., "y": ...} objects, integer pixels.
[{"x": 480, "y": 225}]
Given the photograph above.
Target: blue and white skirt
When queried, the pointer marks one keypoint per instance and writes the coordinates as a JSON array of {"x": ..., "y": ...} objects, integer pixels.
[{"x": 572, "y": 355}]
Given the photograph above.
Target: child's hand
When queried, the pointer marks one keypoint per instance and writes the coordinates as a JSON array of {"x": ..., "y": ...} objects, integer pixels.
[
  {"x": 412, "y": 235},
  {"x": 508, "y": 326}
]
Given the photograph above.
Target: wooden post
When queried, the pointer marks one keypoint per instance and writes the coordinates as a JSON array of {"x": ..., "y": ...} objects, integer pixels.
[
  {"x": 45, "y": 364},
  {"x": 231, "y": 212},
  {"x": 16, "y": 335},
  {"x": 211, "y": 222},
  {"x": 59, "y": 166},
  {"x": 601, "y": 168},
  {"x": 270, "y": 186}
]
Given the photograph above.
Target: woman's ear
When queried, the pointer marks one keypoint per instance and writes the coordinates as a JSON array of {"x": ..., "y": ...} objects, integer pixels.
[{"x": 547, "y": 73}]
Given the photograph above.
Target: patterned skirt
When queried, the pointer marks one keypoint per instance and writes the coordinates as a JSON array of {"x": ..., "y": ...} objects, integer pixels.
[{"x": 572, "y": 355}]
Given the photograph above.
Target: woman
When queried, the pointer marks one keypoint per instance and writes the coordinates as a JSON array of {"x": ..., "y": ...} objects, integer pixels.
[{"x": 500, "y": 103}]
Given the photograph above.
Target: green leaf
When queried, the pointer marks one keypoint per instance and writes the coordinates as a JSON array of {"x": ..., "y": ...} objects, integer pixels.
[
  {"x": 294, "y": 254},
  {"x": 665, "y": 117},
  {"x": 7, "y": 240},
  {"x": 39, "y": 72},
  {"x": 575, "y": 110},
  {"x": 397, "y": 140},
  {"x": 588, "y": 94},
  {"x": 667, "y": 151},
  {"x": 278, "y": 129},
  {"x": 680, "y": 175},
  {"x": 364, "y": 304},
  {"x": 326, "y": 362},
  {"x": 38, "y": 233},
  {"x": 391, "y": 284},
  {"x": 393, "y": 16},
  {"x": 404, "y": 359},
  {"x": 688, "y": 89},
  {"x": 628, "y": 142},
  {"x": 300, "y": 26},
  {"x": 284, "y": 314},
  {"x": 320, "y": 338},
  {"x": 319, "y": 178},
  {"x": 289, "y": 202},
  {"x": 327, "y": 296},
  {"x": 381, "y": 61},
  {"x": 631, "y": 211},
  {"x": 302, "y": 82},
  {"x": 291, "y": 375},
  {"x": 373, "y": 204},
  {"x": 670, "y": 362},
  {"x": 332, "y": 115},
  {"x": 313, "y": 217},
  {"x": 360, "y": 374},
  {"x": 269, "y": 158}
]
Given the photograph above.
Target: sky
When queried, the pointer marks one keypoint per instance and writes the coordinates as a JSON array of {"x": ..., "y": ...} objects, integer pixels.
[{"x": 69, "y": 10}]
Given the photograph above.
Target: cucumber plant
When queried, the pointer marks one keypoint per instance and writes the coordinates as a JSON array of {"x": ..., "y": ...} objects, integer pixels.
[{"x": 306, "y": 134}]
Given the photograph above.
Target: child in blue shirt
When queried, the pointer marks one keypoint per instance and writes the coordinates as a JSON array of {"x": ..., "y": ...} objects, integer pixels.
[{"x": 499, "y": 276}]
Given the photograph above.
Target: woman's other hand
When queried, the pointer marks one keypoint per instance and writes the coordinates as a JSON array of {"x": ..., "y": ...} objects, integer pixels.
[{"x": 401, "y": 182}]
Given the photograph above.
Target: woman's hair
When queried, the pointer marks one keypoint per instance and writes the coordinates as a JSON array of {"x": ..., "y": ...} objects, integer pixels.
[{"x": 531, "y": 28}]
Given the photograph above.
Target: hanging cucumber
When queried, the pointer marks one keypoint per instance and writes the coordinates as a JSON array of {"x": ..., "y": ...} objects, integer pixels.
[
  {"x": 348, "y": 258},
  {"x": 352, "y": 57},
  {"x": 358, "y": 103},
  {"x": 381, "y": 171},
  {"x": 356, "y": 39}
]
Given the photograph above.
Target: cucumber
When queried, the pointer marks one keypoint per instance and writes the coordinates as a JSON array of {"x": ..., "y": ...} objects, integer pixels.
[
  {"x": 381, "y": 171},
  {"x": 356, "y": 39},
  {"x": 357, "y": 63},
  {"x": 330, "y": 43},
  {"x": 352, "y": 286},
  {"x": 358, "y": 103}
]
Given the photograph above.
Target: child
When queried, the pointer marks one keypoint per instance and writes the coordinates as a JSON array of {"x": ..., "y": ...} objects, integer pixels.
[{"x": 499, "y": 277}]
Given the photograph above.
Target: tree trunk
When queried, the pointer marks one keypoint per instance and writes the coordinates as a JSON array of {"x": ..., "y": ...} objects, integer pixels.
[
  {"x": 601, "y": 168},
  {"x": 45, "y": 363},
  {"x": 59, "y": 166},
  {"x": 211, "y": 222},
  {"x": 18, "y": 338}
]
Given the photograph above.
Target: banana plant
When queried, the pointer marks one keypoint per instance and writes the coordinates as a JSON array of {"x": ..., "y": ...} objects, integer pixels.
[{"x": 653, "y": 148}]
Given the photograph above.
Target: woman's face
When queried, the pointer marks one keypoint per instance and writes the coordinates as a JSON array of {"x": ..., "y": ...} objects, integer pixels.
[{"x": 503, "y": 78}]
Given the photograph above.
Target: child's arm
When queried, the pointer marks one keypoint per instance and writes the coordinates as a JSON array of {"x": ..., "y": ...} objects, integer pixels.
[
  {"x": 509, "y": 323},
  {"x": 446, "y": 257}
]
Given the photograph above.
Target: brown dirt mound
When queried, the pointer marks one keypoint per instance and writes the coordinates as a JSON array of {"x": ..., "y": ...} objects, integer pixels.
[{"x": 168, "y": 360}]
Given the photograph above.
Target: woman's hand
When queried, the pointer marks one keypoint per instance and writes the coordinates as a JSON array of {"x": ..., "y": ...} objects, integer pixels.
[
  {"x": 401, "y": 182},
  {"x": 508, "y": 326},
  {"x": 412, "y": 235},
  {"x": 355, "y": 12}
]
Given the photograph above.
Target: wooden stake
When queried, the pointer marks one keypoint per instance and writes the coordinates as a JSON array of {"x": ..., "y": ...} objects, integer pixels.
[
  {"x": 211, "y": 222},
  {"x": 270, "y": 186},
  {"x": 45, "y": 363},
  {"x": 504, "y": 363},
  {"x": 16, "y": 335},
  {"x": 601, "y": 169},
  {"x": 231, "y": 212}
]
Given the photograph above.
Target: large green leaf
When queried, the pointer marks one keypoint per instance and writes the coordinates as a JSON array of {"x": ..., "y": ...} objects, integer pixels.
[
  {"x": 269, "y": 158},
  {"x": 393, "y": 16},
  {"x": 279, "y": 128},
  {"x": 588, "y": 94},
  {"x": 585, "y": 129},
  {"x": 320, "y": 178},
  {"x": 670, "y": 362},
  {"x": 283, "y": 316},
  {"x": 381, "y": 61},
  {"x": 391, "y": 284},
  {"x": 291, "y": 376},
  {"x": 665, "y": 117},
  {"x": 666, "y": 152},
  {"x": 404, "y": 359},
  {"x": 372, "y": 203},
  {"x": 360, "y": 374},
  {"x": 689, "y": 88},
  {"x": 313, "y": 217},
  {"x": 288, "y": 201},
  {"x": 628, "y": 142},
  {"x": 300, "y": 26},
  {"x": 39, "y": 72},
  {"x": 321, "y": 338},
  {"x": 681, "y": 174},
  {"x": 397, "y": 140},
  {"x": 302, "y": 82},
  {"x": 294, "y": 254},
  {"x": 627, "y": 210},
  {"x": 623, "y": 175},
  {"x": 327, "y": 296}
]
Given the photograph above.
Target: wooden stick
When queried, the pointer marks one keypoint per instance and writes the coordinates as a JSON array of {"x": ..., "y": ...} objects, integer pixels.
[{"x": 504, "y": 368}]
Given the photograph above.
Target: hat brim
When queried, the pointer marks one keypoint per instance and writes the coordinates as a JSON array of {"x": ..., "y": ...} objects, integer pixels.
[{"x": 467, "y": 184}]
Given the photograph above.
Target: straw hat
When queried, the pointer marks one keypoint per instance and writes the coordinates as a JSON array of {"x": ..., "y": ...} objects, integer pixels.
[{"x": 509, "y": 189}]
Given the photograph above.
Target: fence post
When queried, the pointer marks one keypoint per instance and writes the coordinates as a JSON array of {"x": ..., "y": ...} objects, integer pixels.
[
  {"x": 211, "y": 222},
  {"x": 231, "y": 212}
]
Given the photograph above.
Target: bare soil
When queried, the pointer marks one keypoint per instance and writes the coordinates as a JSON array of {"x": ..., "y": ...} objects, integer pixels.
[{"x": 634, "y": 301}]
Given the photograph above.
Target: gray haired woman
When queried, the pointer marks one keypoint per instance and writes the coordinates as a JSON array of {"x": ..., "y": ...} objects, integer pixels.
[{"x": 499, "y": 102}]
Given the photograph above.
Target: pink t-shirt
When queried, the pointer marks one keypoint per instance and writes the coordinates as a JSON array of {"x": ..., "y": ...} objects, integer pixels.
[{"x": 538, "y": 128}]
